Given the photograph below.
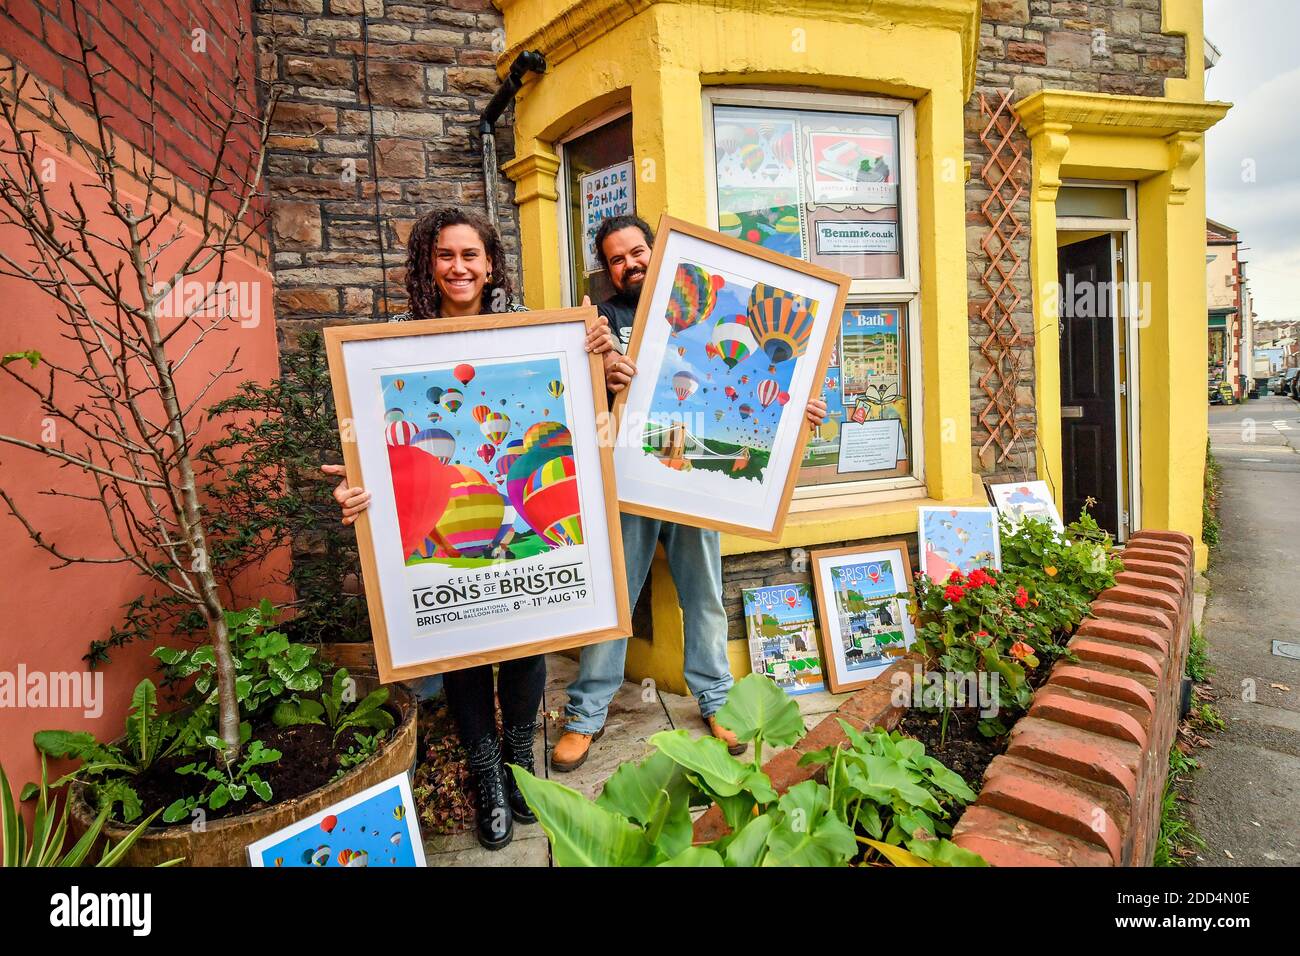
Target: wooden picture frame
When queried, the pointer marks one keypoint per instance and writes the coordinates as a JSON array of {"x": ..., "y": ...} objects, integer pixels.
[
  {"x": 423, "y": 621},
  {"x": 833, "y": 614},
  {"x": 727, "y": 454}
]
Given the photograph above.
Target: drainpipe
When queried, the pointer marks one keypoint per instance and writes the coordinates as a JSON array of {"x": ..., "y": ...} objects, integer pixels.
[{"x": 529, "y": 60}]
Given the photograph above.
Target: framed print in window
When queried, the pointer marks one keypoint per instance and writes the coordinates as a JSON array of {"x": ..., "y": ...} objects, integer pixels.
[
  {"x": 862, "y": 598},
  {"x": 730, "y": 341},
  {"x": 493, "y": 529}
]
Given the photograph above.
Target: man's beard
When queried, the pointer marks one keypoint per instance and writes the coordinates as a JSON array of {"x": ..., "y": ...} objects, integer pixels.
[{"x": 631, "y": 291}]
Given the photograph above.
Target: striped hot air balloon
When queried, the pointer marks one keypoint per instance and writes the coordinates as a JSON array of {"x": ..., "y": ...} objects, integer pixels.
[
  {"x": 401, "y": 432},
  {"x": 437, "y": 442},
  {"x": 767, "y": 391},
  {"x": 494, "y": 427},
  {"x": 523, "y": 468},
  {"x": 551, "y": 502},
  {"x": 486, "y": 452},
  {"x": 745, "y": 411},
  {"x": 481, "y": 412},
  {"x": 780, "y": 321},
  {"x": 394, "y": 415},
  {"x": 508, "y": 456},
  {"x": 470, "y": 523},
  {"x": 451, "y": 399},
  {"x": 556, "y": 388},
  {"x": 546, "y": 434},
  {"x": 733, "y": 339},
  {"x": 684, "y": 385},
  {"x": 693, "y": 294}
]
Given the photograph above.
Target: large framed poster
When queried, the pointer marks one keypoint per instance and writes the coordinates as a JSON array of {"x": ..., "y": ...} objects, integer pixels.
[
  {"x": 862, "y": 598},
  {"x": 781, "y": 627},
  {"x": 730, "y": 341},
  {"x": 493, "y": 529}
]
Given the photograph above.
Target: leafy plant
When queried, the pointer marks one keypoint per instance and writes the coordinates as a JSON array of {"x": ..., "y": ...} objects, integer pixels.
[
  {"x": 359, "y": 752},
  {"x": 1198, "y": 656},
  {"x": 44, "y": 845},
  {"x": 334, "y": 708},
  {"x": 643, "y": 814},
  {"x": 225, "y": 781}
]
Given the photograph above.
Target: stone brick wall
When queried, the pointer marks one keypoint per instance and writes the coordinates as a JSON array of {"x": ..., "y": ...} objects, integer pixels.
[
  {"x": 418, "y": 74},
  {"x": 1106, "y": 46}
]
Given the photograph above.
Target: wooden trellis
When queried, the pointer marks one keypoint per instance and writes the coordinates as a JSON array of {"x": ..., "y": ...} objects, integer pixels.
[{"x": 1003, "y": 344}]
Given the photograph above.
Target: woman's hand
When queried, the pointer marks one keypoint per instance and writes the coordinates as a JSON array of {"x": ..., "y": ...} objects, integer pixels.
[
  {"x": 618, "y": 371},
  {"x": 816, "y": 411},
  {"x": 353, "y": 501}
]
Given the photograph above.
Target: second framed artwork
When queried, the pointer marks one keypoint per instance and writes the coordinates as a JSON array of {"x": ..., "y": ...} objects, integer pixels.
[
  {"x": 493, "y": 531},
  {"x": 862, "y": 601},
  {"x": 731, "y": 341}
]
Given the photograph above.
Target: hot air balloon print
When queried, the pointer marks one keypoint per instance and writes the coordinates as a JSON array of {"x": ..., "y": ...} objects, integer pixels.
[
  {"x": 684, "y": 385},
  {"x": 421, "y": 489},
  {"x": 717, "y": 416},
  {"x": 494, "y": 427},
  {"x": 401, "y": 432},
  {"x": 555, "y": 387},
  {"x": 437, "y": 442},
  {"x": 681, "y": 350},
  {"x": 767, "y": 391},
  {"x": 451, "y": 399},
  {"x": 399, "y": 812},
  {"x": 745, "y": 411},
  {"x": 486, "y": 452},
  {"x": 780, "y": 321},
  {"x": 394, "y": 415},
  {"x": 527, "y": 464},
  {"x": 464, "y": 373},
  {"x": 472, "y": 516},
  {"x": 551, "y": 502},
  {"x": 481, "y": 412},
  {"x": 692, "y": 297},
  {"x": 744, "y": 380},
  {"x": 733, "y": 340},
  {"x": 711, "y": 350},
  {"x": 321, "y": 856}
]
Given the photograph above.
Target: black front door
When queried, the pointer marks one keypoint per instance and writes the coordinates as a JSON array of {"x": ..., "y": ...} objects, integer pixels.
[{"x": 1088, "y": 439}]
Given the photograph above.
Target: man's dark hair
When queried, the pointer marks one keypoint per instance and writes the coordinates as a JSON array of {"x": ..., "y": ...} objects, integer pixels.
[{"x": 614, "y": 224}]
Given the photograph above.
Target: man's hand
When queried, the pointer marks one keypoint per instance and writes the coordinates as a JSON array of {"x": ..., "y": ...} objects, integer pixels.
[
  {"x": 816, "y": 411},
  {"x": 352, "y": 500},
  {"x": 599, "y": 337},
  {"x": 618, "y": 371}
]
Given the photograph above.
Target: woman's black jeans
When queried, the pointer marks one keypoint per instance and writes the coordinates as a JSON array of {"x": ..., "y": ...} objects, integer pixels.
[{"x": 519, "y": 686}]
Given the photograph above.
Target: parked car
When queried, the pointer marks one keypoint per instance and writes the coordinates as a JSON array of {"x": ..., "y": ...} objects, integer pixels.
[{"x": 1287, "y": 382}]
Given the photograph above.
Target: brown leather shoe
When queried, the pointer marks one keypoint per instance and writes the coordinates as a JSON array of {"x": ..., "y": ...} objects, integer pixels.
[
  {"x": 734, "y": 746},
  {"x": 570, "y": 751}
]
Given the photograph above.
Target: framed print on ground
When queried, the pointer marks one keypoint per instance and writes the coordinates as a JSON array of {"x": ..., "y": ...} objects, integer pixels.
[
  {"x": 493, "y": 529},
  {"x": 781, "y": 626},
  {"x": 1018, "y": 500},
  {"x": 862, "y": 598},
  {"x": 730, "y": 341},
  {"x": 957, "y": 539},
  {"x": 376, "y": 827}
]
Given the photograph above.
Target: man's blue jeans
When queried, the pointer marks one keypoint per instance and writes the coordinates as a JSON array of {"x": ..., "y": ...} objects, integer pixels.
[{"x": 695, "y": 559}]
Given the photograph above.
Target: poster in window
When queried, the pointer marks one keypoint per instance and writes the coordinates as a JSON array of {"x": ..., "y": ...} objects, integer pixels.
[
  {"x": 854, "y": 168},
  {"x": 606, "y": 193},
  {"x": 493, "y": 530},
  {"x": 756, "y": 161}
]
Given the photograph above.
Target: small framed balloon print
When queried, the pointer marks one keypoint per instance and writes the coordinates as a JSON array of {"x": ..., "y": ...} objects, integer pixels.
[
  {"x": 957, "y": 539},
  {"x": 493, "y": 529},
  {"x": 730, "y": 342}
]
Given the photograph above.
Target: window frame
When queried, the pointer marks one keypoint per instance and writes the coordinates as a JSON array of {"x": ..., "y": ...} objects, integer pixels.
[{"x": 904, "y": 291}]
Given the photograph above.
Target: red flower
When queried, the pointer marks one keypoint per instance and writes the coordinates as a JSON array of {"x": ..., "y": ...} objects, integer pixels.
[
  {"x": 1022, "y": 596},
  {"x": 954, "y": 593},
  {"x": 982, "y": 634},
  {"x": 978, "y": 578},
  {"x": 954, "y": 578}
]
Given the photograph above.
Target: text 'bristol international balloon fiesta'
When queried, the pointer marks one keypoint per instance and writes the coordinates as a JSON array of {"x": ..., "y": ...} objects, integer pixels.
[
  {"x": 482, "y": 463},
  {"x": 731, "y": 356}
]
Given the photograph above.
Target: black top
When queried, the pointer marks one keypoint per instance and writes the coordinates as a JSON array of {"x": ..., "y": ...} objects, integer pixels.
[{"x": 620, "y": 310}]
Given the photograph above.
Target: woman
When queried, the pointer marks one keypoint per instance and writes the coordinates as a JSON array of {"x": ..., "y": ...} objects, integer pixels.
[{"x": 456, "y": 266}]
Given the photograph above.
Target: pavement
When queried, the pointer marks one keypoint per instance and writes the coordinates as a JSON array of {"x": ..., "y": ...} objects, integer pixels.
[
  {"x": 635, "y": 715},
  {"x": 1245, "y": 800}
]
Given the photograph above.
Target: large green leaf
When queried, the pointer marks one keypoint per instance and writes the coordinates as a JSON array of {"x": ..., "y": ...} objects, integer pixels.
[
  {"x": 943, "y": 852},
  {"x": 634, "y": 791},
  {"x": 581, "y": 833},
  {"x": 695, "y": 856},
  {"x": 807, "y": 834},
  {"x": 706, "y": 758},
  {"x": 749, "y": 844},
  {"x": 756, "y": 707}
]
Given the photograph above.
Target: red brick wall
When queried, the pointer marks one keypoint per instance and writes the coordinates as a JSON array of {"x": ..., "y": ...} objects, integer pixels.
[{"x": 134, "y": 39}]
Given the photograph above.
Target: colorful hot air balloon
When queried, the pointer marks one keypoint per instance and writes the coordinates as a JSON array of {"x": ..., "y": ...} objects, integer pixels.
[
  {"x": 451, "y": 399},
  {"x": 508, "y": 456},
  {"x": 435, "y": 417},
  {"x": 481, "y": 412},
  {"x": 394, "y": 415},
  {"x": 781, "y": 322},
  {"x": 556, "y": 388},
  {"x": 400, "y": 383},
  {"x": 329, "y": 823},
  {"x": 717, "y": 416},
  {"x": 486, "y": 452},
  {"x": 745, "y": 411},
  {"x": 546, "y": 434},
  {"x": 321, "y": 856},
  {"x": 434, "y": 395},
  {"x": 733, "y": 340},
  {"x": 783, "y": 398},
  {"x": 399, "y": 812},
  {"x": 693, "y": 295},
  {"x": 494, "y": 427},
  {"x": 473, "y": 513},
  {"x": 685, "y": 384},
  {"x": 730, "y": 392},
  {"x": 437, "y": 442},
  {"x": 421, "y": 489},
  {"x": 681, "y": 350},
  {"x": 751, "y": 157},
  {"x": 551, "y": 502},
  {"x": 767, "y": 391},
  {"x": 527, "y": 464},
  {"x": 464, "y": 373},
  {"x": 744, "y": 380},
  {"x": 711, "y": 350},
  {"x": 401, "y": 432}
]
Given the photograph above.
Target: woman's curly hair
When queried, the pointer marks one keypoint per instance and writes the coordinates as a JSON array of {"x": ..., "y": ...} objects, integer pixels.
[{"x": 421, "y": 289}]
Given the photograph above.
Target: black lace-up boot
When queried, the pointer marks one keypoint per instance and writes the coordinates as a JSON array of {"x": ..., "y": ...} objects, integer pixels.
[
  {"x": 492, "y": 801},
  {"x": 519, "y": 751}
]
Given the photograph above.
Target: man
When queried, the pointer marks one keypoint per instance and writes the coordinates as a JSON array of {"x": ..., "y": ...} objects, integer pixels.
[{"x": 623, "y": 245}]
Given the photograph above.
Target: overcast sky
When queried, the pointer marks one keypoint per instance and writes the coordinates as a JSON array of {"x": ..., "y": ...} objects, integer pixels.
[{"x": 1259, "y": 73}]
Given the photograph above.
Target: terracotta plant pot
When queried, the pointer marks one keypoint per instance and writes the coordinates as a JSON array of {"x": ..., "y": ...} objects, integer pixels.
[{"x": 223, "y": 842}]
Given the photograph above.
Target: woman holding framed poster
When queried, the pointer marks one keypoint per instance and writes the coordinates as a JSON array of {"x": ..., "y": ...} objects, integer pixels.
[
  {"x": 493, "y": 535},
  {"x": 731, "y": 341}
]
